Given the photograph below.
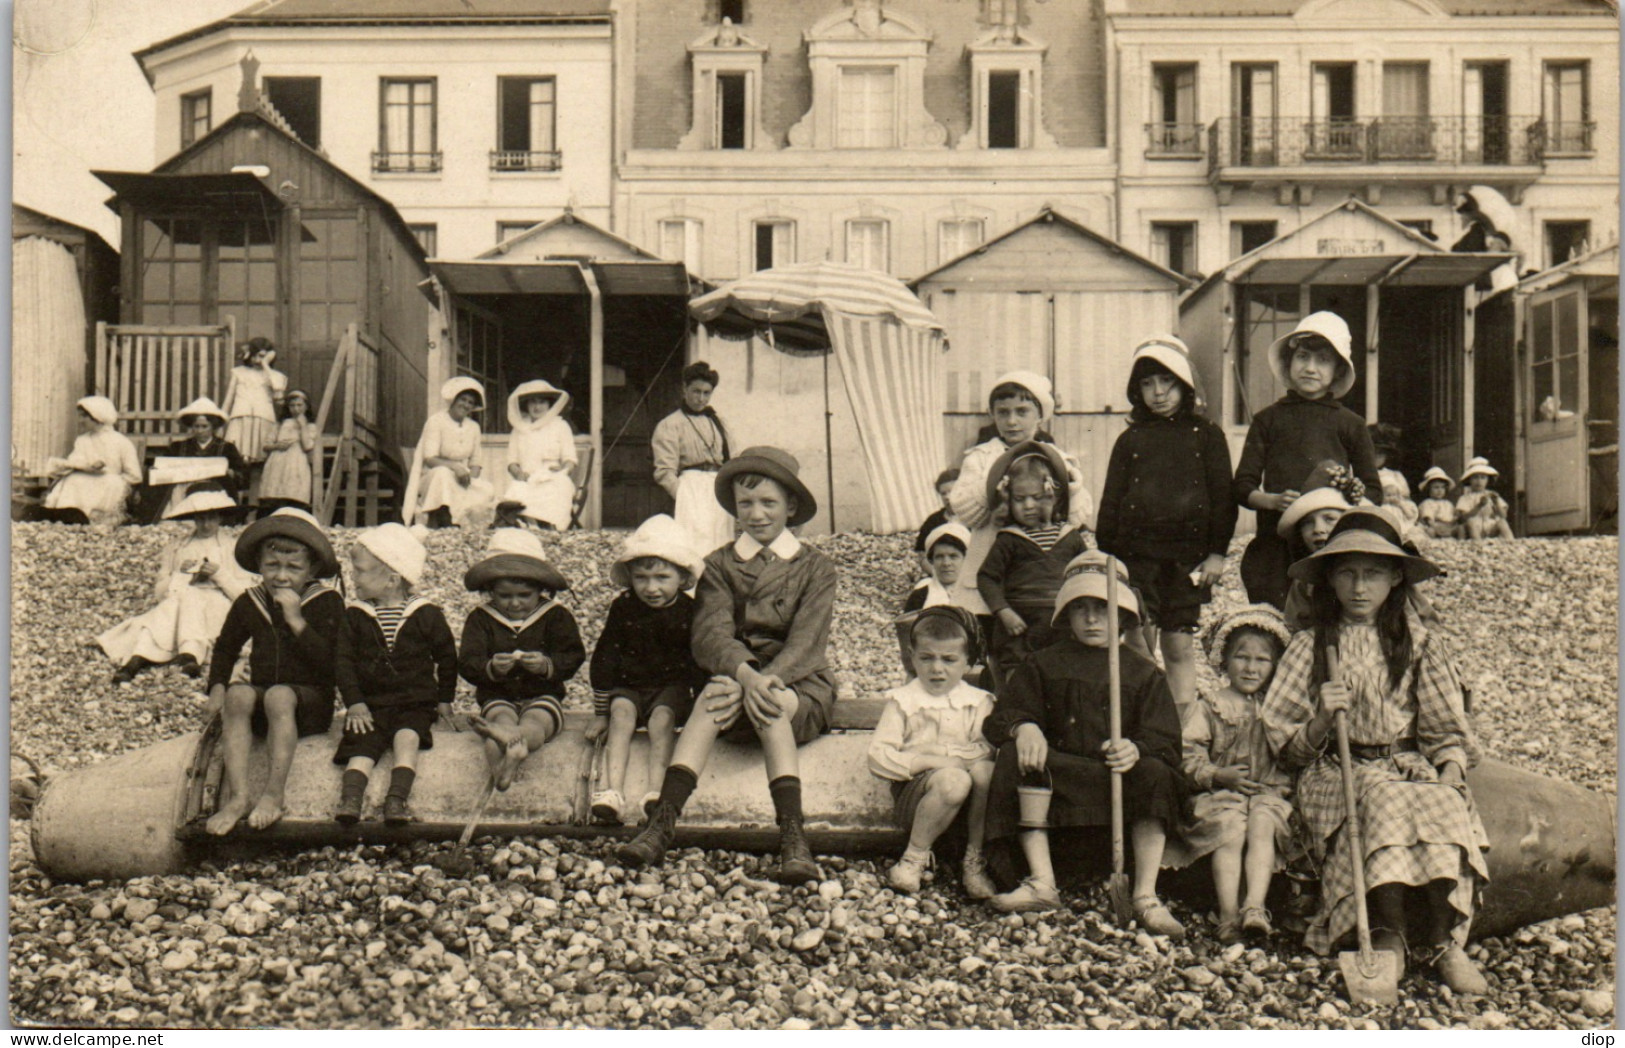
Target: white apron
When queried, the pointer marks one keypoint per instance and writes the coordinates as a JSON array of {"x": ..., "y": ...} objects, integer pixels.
[{"x": 698, "y": 511}]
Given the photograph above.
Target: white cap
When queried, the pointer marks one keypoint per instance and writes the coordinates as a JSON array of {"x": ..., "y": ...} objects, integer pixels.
[
  {"x": 1333, "y": 329},
  {"x": 400, "y": 550},
  {"x": 1038, "y": 385}
]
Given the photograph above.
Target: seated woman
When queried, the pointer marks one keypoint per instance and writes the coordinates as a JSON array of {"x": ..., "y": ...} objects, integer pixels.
[
  {"x": 203, "y": 422},
  {"x": 445, "y": 474},
  {"x": 94, "y": 481},
  {"x": 541, "y": 452}
]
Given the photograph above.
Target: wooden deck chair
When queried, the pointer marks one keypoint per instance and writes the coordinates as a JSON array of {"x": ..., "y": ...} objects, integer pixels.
[{"x": 582, "y": 477}]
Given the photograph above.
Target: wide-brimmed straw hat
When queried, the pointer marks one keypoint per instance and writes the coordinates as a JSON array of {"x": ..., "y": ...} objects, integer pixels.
[
  {"x": 1265, "y": 618},
  {"x": 1042, "y": 389},
  {"x": 774, "y": 463},
  {"x": 288, "y": 523},
  {"x": 202, "y": 406},
  {"x": 196, "y": 503},
  {"x": 1479, "y": 464},
  {"x": 1369, "y": 531},
  {"x": 453, "y": 388},
  {"x": 99, "y": 408},
  {"x": 659, "y": 536},
  {"x": 514, "y": 553},
  {"x": 950, "y": 531},
  {"x": 1328, "y": 326},
  {"x": 536, "y": 387},
  {"x": 1085, "y": 576},
  {"x": 1329, "y": 485},
  {"x": 1028, "y": 449},
  {"x": 1435, "y": 473}
]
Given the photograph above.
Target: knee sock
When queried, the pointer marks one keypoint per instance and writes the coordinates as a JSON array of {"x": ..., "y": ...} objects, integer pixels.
[
  {"x": 786, "y": 791},
  {"x": 678, "y": 784},
  {"x": 400, "y": 782},
  {"x": 355, "y": 785}
]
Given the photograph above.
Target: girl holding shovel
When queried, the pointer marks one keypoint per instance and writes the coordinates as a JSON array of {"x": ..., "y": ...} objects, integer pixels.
[{"x": 1370, "y": 658}]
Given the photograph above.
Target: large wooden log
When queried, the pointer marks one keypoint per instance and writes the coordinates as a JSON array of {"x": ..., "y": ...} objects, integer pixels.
[{"x": 1552, "y": 843}]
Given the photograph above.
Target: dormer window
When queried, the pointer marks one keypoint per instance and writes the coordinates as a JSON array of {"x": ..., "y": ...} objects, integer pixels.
[
  {"x": 727, "y": 88},
  {"x": 1007, "y": 87},
  {"x": 868, "y": 83}
]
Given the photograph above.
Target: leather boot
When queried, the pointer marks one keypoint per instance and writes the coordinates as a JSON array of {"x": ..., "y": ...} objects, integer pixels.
[
  {"x": 649, "y": 846},
  {"x": 796, "y": 864}
]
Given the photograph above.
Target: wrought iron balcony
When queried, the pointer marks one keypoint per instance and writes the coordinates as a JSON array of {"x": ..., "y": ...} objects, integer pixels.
[
  {"x": 386, "y": 163},
  {"x": 523, "y": 160},
  {"x": 1423, "y": 143},
  {"x": 1571, "y": 138},
  {"x": 1173, "y": 140}
]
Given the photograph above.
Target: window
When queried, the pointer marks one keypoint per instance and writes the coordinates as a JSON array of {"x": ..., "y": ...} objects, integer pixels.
[
  {"x": 731, "y": 111},
  {"x": 428, "y": 234},
  {"x": 732, "y": 10},
  {"x": 1003, "y": 110},
  {"x": 1174, "y": 245},
  {"x": 1333, "y": 131},
  {"x": 1486, "y": 129},
  {"x": 775, "y": 243},
  {"x": 959, "y": 236},
  {"x": 527, "y": 114},
  {"x": 1565, "y": 240},
  {"x": 1249, "y": 236},
  {"x": 406, "y": 127},
  {"x": 1267, "y": 313},
  {"x": 195, "y": 115},
  {"x": 1405, "y": 132},
  {"x": 329, "y": 278},
  {"x": 512, "y": 228},
  {"x": 1174, "y": 129},
  {"x": 1252, "y": 105},
  {"x": 680, "y": 242},
  {"x": 1567, "y": 110},
  {"x": 867, "y": 113},
  {"x": 867, "y": 243},
  {"x": 171, "y": 272},
  {"x": 1554, "y": 365},
  {"x": 299, "y": 100}
]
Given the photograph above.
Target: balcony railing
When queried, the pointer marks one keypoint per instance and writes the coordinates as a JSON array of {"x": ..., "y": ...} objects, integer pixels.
[
  {"x": 1435, "y": 141},
  {"x": 1173, "y": 140},
  {"x": 405, "y": 163},
  {"x": 523, "y": 160},
  {"x": 1570, "y": 137}
]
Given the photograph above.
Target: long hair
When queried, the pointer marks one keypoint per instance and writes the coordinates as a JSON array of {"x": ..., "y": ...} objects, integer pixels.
[
  {"x": 1033, "y": 467},
  {"x": 1393, "y": 628}
]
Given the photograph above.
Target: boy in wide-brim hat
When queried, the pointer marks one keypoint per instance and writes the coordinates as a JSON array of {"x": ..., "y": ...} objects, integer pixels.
[
  {"x": 643, "y": 670},
  {"x": 519, "y": 646},
  {"x": 292, "y": 619},
  {"x": 761, "y": 627}
]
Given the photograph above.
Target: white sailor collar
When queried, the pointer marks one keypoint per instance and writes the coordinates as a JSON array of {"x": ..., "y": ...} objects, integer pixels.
[
  {"x": 413, "y": 603},
  {"x": 785, "y": 547},
  {"x": 529, "y": 621}
]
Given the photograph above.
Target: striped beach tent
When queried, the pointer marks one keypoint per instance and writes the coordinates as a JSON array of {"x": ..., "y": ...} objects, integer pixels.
[{"x": 888, "y": 348}]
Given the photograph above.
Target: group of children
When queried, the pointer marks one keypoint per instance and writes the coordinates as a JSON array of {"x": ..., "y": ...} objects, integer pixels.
[{"x": 1241, "y": 775}]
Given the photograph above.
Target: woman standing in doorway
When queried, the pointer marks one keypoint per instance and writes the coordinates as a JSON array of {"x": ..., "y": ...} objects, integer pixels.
[{"x": 690, "y": 445}]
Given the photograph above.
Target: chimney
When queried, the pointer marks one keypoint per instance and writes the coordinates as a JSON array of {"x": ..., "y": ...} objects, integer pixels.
[{"x": 248, "y": 96}]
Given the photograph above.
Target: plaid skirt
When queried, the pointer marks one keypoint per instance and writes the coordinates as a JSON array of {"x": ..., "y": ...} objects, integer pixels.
[{"x": 1416, "y": 830}]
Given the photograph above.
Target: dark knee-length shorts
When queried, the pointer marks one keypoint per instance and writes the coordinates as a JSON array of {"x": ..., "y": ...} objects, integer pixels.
[{"x": 312, "y": 711}]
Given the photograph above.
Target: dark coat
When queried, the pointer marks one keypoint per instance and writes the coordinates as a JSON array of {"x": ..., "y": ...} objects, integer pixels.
[
  {"x": 280, "y": 656},
  {"x": 1167, "y": 494},
  {"x": 644, "y": 647},
  {"x": 421, "y": 670},
  {"x": 552, "y": 631}
]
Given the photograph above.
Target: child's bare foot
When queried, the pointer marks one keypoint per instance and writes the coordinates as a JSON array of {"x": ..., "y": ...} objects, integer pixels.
[
  {"x": 512, "y": 756},
  {"x": 497, "y": 733},
  {"x": 265, "y": 813},
  {"x": 226, "y": 818}
]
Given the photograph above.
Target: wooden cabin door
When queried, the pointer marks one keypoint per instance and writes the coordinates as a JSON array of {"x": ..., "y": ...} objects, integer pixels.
[{"x": 1557, "y": 461}]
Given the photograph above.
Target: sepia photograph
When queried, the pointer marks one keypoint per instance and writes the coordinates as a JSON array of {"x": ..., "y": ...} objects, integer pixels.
[{"x": 814, "y": 515}]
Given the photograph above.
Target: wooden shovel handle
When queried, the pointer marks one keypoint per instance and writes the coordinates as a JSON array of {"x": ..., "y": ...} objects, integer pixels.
[
  {"x": 1351, "y": 820},
  {"x": 1114, "y": 678}
]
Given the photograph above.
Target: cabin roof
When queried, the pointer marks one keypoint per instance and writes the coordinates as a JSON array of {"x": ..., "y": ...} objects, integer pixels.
[
  {"x": 1049, "y": 216},
  {"x": 567, "y": 234},
  {"x": 27, "y": 222}
]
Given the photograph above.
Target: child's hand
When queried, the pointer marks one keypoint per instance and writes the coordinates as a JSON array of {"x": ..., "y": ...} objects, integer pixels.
[
  {"x": 763, "y": 706},
  {"x": 1014, "y": 624},
  {"x": 1032, "y": 749},
  {"x": 288, "y": 601},
  {"x": 1452, "y": 775},
  {"x": 1334, "y": 696},
  {"x": 474, "y": 469},
  {"x": 537, "y": 663},
  {"x": 723, "y": 698},
  {"x": 597, "y": 728},
  {"x": 214, "y": 702},
  {"x": 1211, "y": 570},
  {"x": 206, "y": 570},
  {"x": 1281, "y": 500},
  {"x": 358, "y": 719},
  {"x": 515, "y": 472},
  {"x": 1120, "y": 756},
  {"x": 502, "y": 663},
  {"x": 1235, "y": 778}
]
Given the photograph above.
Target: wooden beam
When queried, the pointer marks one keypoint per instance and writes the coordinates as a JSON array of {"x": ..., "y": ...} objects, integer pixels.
[
  {"x": 595, "y": 477},
  {"x": 1373, "y": 300}
]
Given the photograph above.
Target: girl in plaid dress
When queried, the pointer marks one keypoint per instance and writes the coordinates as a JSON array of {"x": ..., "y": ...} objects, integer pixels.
[{"x": 1411, "y": 744}]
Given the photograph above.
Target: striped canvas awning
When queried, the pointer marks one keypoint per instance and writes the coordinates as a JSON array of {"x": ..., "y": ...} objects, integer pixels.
[{"x": 888, "y": 347}]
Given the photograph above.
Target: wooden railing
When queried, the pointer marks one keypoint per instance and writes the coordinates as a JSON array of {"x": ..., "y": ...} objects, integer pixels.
[
  {"x": 359, "y": 441},
  {"x": 153, "y": 372}
]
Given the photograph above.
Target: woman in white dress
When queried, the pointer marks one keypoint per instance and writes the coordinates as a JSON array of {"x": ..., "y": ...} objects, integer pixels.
[
  {"x": 94, "y": 481},
  {"x": 197, "y": 579},
  {"x": 689, "y": 446},
  {"x": 445, "y": 473},
  {"x": 541, "y": 453}
]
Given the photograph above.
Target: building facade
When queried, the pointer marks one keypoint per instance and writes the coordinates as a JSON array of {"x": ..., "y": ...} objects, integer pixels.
[
  {"x": 476, "y": 121},
  {"x": 1234, "y": 123}
]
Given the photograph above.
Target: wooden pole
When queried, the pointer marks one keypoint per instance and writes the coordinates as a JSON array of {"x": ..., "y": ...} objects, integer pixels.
[
  {"x": 595, "y": 474},
  {"x": 829, "y": 443}
]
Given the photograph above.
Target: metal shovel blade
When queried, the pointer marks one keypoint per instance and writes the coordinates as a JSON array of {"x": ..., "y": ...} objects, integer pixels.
[
  {"x": 1122, "y": 898},
  {"x": 1371, "y": 977}
]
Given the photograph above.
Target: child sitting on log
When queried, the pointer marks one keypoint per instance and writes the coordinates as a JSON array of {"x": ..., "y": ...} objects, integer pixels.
[
  {"x": 1242, "y": 814},
  {"x": 292, "y": 619},
  {"x": 198, "y": 578},
  {"x": 1052, "y": 724},
  {"x": 762, "y": 624},
  {"x": 643, "y": 669},
  {"x": 929, "y": 745},
  {"x": 519, "y": 647},
  {"x": 396, "y": 669}
]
